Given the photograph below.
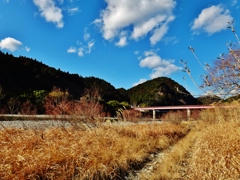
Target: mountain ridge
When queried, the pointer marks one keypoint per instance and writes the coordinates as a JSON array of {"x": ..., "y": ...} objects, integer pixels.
[{"x": 19, "y": 75}]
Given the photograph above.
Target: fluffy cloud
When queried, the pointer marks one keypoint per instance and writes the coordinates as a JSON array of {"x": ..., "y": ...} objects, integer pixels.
[
  {"x": 10, "y": 44},
  {"x": 122, "y": 40},
  {"x": 165, "y": 69},
  {"x": 151, "y": 61},
  {"x": 161, "y": 67},
  {"x": 139, "y": 18},
  {"x": 50, "y": 12},
  {"x": 211, "y": 20}
]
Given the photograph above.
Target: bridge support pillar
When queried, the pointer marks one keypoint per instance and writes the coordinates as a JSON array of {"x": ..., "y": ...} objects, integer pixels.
[
  {"x": 188, "y": 113},
  {"x": 154, "y": 114}
]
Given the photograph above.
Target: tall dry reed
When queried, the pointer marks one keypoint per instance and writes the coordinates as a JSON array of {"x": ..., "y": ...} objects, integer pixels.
[
  {"x": 209, "y": 151},
  {"x": 105, "y": 152}
]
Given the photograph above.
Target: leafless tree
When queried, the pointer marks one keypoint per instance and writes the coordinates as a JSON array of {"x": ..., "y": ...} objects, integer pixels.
[
  {"x": 57, "y": 102},
  {"x": 222, "y": 78},
  {"x": 13, "y": 105}
]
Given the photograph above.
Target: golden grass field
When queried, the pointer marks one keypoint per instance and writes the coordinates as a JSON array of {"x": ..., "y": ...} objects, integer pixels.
[
  {"x": 206, "y": 148},
  {"x": 210, "y": 151},
  {"x": 105, "y": 152}
]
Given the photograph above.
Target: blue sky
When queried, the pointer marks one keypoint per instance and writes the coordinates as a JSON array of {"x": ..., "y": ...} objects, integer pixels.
[{"x": 124, "y": 42}]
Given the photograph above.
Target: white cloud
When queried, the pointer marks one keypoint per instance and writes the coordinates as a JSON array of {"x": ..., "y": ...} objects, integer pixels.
[
  {"x": 150, "y": 53},
  {"x": 211, "y": 20},
  {"x": 10, "y": 44},
  {"x": 139, "y": 18},
  {"x": 83, "y": 49},
  {"x": 151, "y": 61},
  {"x": 140, "y": 82},
  {"x": 81, "y": 52},
  {"x": 122, "y": 40},
  {"x": 161, "y": 67},
  {"x": 145, "y": 27},
  {"x": 165, "y": 69},
  {"x": 161, "y": 31},
  {"x": 90, "y": 45},
  {"x": 73, "y": 10},
  {"x": 50, "y": 12},
  {"x": 72, "y": 50}
]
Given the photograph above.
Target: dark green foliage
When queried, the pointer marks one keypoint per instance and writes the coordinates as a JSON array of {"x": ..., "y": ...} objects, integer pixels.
[
  {"x": 37, "y": 98},
  {"x": 123, "y": 94},
  {"x": 114, "y": 106},
  {"x": 23, "y": 75},
  {"x": 207, "y": 100},
  {"x": 160, "y": 91},
  {"x": 30, "y": 79},
  {"x": 105, "y": 89}
]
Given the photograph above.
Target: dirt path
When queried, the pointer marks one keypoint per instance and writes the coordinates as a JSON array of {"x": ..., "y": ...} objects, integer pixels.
[
  {"x": 176, "y": 155},
  {"x": 149, "y": 167}
]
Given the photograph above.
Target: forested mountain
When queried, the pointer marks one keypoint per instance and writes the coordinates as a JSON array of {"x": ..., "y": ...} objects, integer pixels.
[
  {"x": 160, "y": 91},
  {"x": 28, "y": 79},
  {"x": 19, "y": 75}
]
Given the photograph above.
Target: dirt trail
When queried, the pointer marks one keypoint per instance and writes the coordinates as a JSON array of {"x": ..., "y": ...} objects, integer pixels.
[
  {"x": 178, "y": 154},
  {"x": 149, "y": 167}
]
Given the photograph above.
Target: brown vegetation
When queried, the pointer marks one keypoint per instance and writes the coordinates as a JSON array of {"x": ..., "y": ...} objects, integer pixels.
[
  {"x": 180, "y": 115},
  {"x": 206, "y": 147},
  {"x": 105, "y": 152},
  {"x": 209, "y": 151}
]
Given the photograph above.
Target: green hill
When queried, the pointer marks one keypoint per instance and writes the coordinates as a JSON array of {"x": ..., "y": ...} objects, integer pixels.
[
  {"x": 19, "y": 75},
  {"x": 160, "y": 91},
  {"x": 206, "y": 100},
  {"x": 22, "y": 77}
]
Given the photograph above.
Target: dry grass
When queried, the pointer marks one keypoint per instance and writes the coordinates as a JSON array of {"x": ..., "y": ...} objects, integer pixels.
[
  {"x": 106, "y": 152},
  {"x": 178, "y": 116},
  {"x": 173, "y": 163},
  {"x": 209, "y": 151},
  {"x": 215, "y": 154}
]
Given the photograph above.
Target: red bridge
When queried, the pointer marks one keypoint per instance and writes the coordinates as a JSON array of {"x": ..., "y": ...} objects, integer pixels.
[{"x": 187, "y": 107}]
